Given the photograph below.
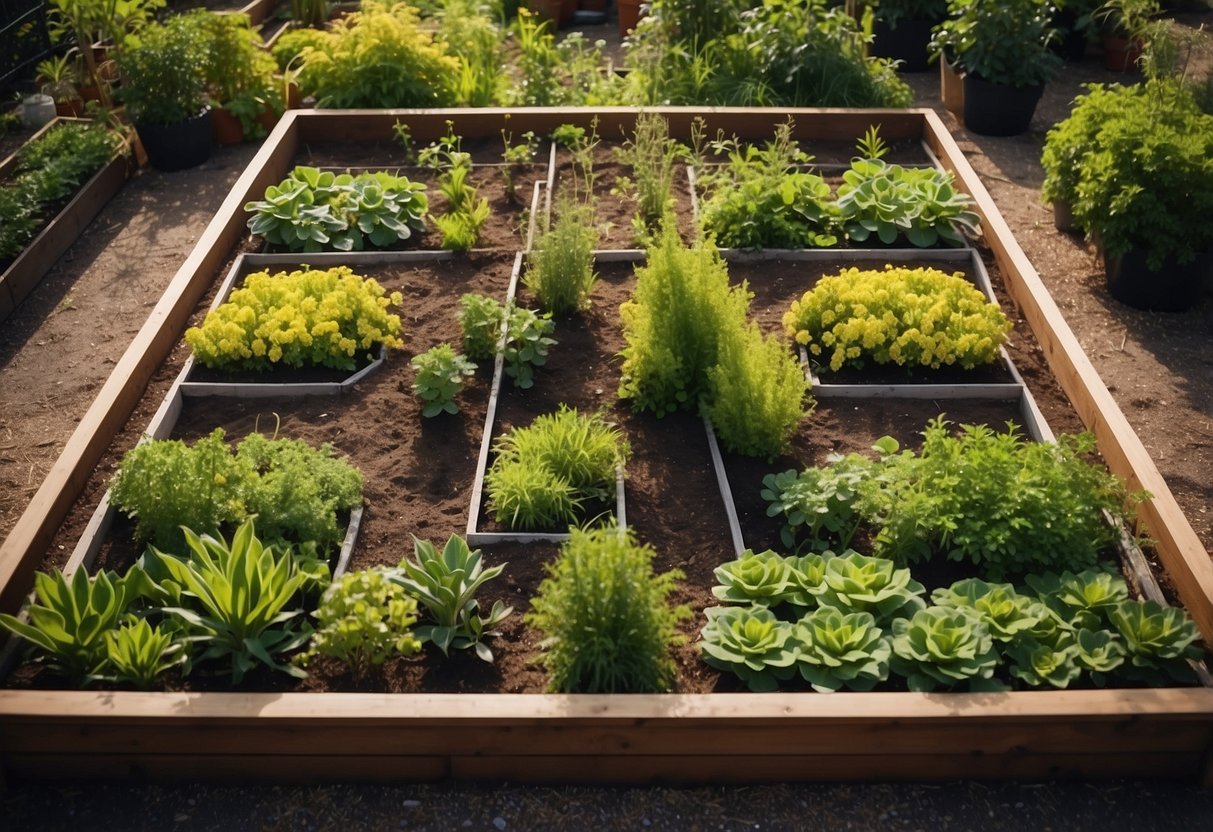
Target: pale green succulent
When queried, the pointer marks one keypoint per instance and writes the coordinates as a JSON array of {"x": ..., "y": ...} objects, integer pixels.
[
  {"x": 752, "y": 643},
  {"x": 856, "y": 583},
  {"x": 1099, "y": 652},
  {"x": 1039, "y": 664},
  {"x": 1007, "y": 613},
  {"x": 1084, "y": 599},
  {"x": 842, "y": 650},
  {"x": 755, "y": 577},
  {"x": 1160, "y": 641},
  {"x": 806, "y": 579},
  {"x": 942, "y": 646}
]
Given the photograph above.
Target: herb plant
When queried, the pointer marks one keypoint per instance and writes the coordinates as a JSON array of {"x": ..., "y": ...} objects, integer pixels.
[
  {"x": 466, "y": 211},
  {"x": 446, "y": 583},
  {"x": 364, "y": 619},
  {"x": 818, "y": 502},
  {"x": 480, "y": 320},
  {"x": 315, "y": 210},
  {"x": 751, "y": 643},
  {"x": 653, "y": 158},
  {"x": 440, "y": 375},
  {"x": 561, "y": 268},
  {"x": 238, "y": 602},
  {"x": 572, "y": 456},
  {"x": 606, "y": 618},
  {"x": 914, "y": 317},
  {"x": 527, "y": 339},
  {"x": 308, "y": 317}
]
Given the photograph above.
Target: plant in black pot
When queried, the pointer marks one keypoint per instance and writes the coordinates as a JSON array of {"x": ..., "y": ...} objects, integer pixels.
[
  {"x": 901, "y": 30},
  {"x": 1145, "y": 195},
  {"x": 164, "y": 87},
  {"x": 1074, "y": 21},
  {"x": 1003, "y": 48}
]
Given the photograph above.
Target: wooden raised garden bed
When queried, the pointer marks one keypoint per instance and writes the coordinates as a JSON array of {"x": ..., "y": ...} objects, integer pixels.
[
  {"x": 28, "y": 269},
  {"x": 685, "y": 737}
]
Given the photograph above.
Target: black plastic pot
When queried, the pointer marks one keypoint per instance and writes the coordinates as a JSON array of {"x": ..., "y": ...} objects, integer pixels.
[
  {"x": 1173, "y": 288},
  {"x": 998, "y": 109},
  {"x": 906, "y": 43},
  {"x": 178, "y": 146},
  {"x": 1072, "y": 45}
]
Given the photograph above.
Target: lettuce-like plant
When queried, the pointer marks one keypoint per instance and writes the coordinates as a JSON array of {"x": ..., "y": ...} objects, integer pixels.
[
  {"x": 1006, "y": 612},
  {"x": 890, "y": 201},
  {"x": 1085, "y": 598},
  {"x": 239, "y": 602},
  {"x": 68, "y": 619},
  {"x": 1037, "y": 664},
  {"x": 365, "y": 618},
  {"x": 446, "y": 584},
  {"x": 138, "y": 654},
  {"x": 755, "y": 577},
  {"x": 842, "y": 650},
  {"x": 941, "y": 646},
  {"x": 751, "y": 643},
  {"x": 857, "y": 583},
  {"x": 1099, "y": 652},
  {"x": 1160, "y": 641}
]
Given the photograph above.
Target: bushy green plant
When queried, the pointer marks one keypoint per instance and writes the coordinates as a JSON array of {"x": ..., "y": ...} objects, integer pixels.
[
  {"x": 1001, "y": 41},
  {"x": 853, "y": 582},
  {"x": 291, "y": 44},
  {"x": 238, "y": 602},
  {"x": 240, "y": 74},
  {"x": 364, "y": 619},
  {"x": 1086, "y": 599},
  {"x": 561, "y": 268},
  {"x": 1159, "y": 641},
  {"x": 295, "y": 489},
  {"x": 819, "y": 502},
  {"x": 138, "y": 654},
  {"x": 764, "y": 199},
  {"x": 943, "y": 647},
  {"x": 758, "y": 392},
  {"x": 841, "y": 650},
  {"x": 528, "y": 337},
  {"x": 554, "y": 72},
  {"x": 164, "y": 73},
  {"x": 605, "y": 616},
  {"x": 751, "y": 643},
  {"x": 1006, "y": 505},
  {"x": 466, "y": 211},
  {"x": 308, "y": 317},
  {"x": 916, "y": 317},
  {"x": 672, "y": 323},
  {"x": 380, "y": 56},
  {"x": 446, "y": 583},
  {"x": 890, "y": 202},
  {"x": 440, "y": 375},
  {"x": 572, "y": 455},
  {"x": 469, "y": 32},
  {"x": 480, "y": 321},
  {"x": 69, "y": 618},
  {"x": 315, "y": 210},
  {"x": 1008, "y": 614}
]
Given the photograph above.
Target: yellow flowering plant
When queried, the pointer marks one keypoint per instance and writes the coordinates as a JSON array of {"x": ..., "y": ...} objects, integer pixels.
[
  {"x": 919, "y": 317},
  {"x": 308, "y": 317}
]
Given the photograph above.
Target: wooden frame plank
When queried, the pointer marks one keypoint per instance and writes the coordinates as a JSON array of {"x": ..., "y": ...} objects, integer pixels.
[{"x": 680, "y": 738}]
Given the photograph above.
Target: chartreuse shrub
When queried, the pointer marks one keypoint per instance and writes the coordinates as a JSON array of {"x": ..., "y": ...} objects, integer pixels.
[
  {"x": 606, "y": 618},
  {"x": 239, "y": 602},
  {"x": 544, "y": 473},
  {"x": 912, "y": 317},
  {"x": 308, "y": 317},
  {"x": 751, "y": 643},
  {"x": 440, "y": 375},
  {"x": 364, "y": 619},
  {"x": 295, "y": 490},
  {"x": 380, "y": 56},
  {"x": 446, "y": 583},
  {"x": 315, "y": 210},
  {"x": 762, "y": 198}
]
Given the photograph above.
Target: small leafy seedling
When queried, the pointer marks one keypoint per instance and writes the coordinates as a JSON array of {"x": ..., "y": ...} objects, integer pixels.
[{"x": 440, "y": 374}]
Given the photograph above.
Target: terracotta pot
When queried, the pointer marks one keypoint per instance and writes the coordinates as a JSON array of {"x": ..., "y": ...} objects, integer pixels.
[
  {"x": 1121, "y": 54},
  {"x": 72, "y": 108},
  {"x": 225, "y": 127},
  {"x": 629, "y": 15},
  {"x": 951, "y": 87},
  {"x": 268, "y": 119}
]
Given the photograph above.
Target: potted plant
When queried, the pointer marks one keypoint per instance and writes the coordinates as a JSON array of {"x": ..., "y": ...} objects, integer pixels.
[
  {"x": 1123, "y": 26},
  {"x": 1145, "y": 193},
  {"x": 96, "y": 26},
  {"x": 164, "y": 87},
  {"x": 1003, "y": 48},
  {"x": 1074, "y": 21},
  {"x": 240, "y": 79},
  {"x": 901, "y": 30},
  {"x": 59, "y": 77}
]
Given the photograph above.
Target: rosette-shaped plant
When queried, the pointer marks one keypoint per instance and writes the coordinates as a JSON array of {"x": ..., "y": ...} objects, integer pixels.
[
  {"x": 1160, "y": 641},
  {"x": 806, "y": 577},
  {"x": 942, "y": 646},
  {"x": 1098, "y": 652},
  {"x": 755, "y": 577},
  {"x": 856, "y": 583},
  {"x": 1085, "y": 598},
  {"x": 840, "y": 650},
  {"x": 1038, "y": 664},
  {"x": 1007, "y": 613},
  {"x": 750, "y": 642}
]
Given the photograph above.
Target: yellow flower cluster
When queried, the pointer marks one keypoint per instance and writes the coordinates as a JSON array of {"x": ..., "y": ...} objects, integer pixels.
[
  {"x": 913, "y": 317},
  {"x": 310, "y": 317}
]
